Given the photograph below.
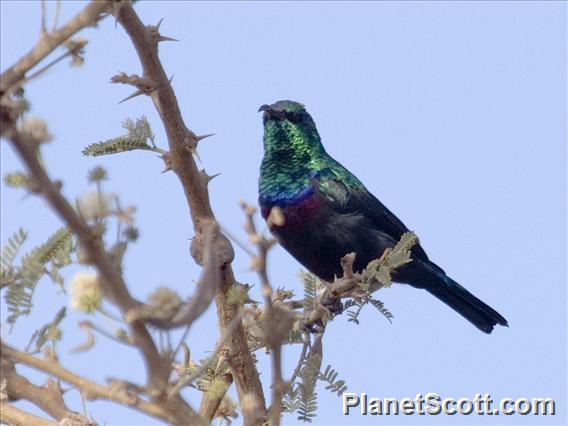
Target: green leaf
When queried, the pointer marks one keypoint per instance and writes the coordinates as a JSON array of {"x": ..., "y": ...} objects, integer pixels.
[
  {"x": 291, "y": 400},
  {"x": 381, "y": 307},
  {"x": 311, "y": 285},
  {"x": 11, "y": 248},
  {"x": 50, "y": 331},
  {"x": 336, "y": 386},
  {"x": 112, "y": 146},
  {"x": 307, "y": 388},
  {"x": 139, "y": 133},
  {"x": 20, "y": 293},
  {"x": 382, "y": 268}
]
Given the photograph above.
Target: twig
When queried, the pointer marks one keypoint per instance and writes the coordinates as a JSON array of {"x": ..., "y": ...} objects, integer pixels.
[
  {"x": 237, "y": 241},
  {"x": 43, "y": 27},
  {"x": 40, "y": 71},
  {"x": 361, "y": 285},
  {"x": 14, "y": 416},
  {"x": 48, "y": 397},
  {"x": 263, "y": 244},
  {"x": 208, "y": 283},
  {"x": 112, "y": 282},
  {"x": 56, "y": 15},
  {"x": 92, "y": 390},
  {"x": 47, "y": 44},
  {"x": 184, "y": 314},
  {"x": 184, "y": 381},
  {"x": 278, "y": 320},
  {"x": 301, "y": 359},
  {"x": 89, "y": 327}
]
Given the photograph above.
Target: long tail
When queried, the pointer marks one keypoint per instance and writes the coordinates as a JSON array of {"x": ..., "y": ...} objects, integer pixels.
[{"x": 466, "y": 304}]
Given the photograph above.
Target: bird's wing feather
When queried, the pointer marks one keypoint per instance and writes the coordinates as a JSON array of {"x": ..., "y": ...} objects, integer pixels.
[{"x": 350, "y": 200}]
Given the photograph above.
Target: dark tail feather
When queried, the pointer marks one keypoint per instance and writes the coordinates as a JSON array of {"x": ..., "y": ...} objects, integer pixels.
[{"x": 466, "y": 304}]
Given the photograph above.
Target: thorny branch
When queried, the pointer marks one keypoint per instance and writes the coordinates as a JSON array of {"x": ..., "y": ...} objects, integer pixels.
[
  {"x": 183, "y": 144},
  {"x": 210, "y": 248},
  {"x": 27, "y": 148},
  {"x": 112, "y": 283}
]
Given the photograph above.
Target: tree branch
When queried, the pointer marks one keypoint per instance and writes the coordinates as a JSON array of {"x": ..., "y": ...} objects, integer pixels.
[
  {"x": 212, "y": 400},
  {"x": 183, "y": 144},
  {"x": 169, "y": 412},
  {"x": 112, "y": 282},
  {"x": 51, "y": 41},
  {"x": 14, "y": 416},
  {"x": 48, "y": 397},
  {"x": 278, "y": 318}
]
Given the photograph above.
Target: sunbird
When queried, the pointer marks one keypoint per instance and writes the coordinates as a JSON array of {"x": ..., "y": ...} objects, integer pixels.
[{"x": 327, "y": 212}]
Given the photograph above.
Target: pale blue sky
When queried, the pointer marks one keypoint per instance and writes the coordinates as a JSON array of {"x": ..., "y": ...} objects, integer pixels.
[{"x": 453, "y": 114}]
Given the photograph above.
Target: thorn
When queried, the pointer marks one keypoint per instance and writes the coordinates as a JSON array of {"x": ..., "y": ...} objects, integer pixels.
[
  {"x": 167, "y": 161},
  {"x": 207, "y": 177},
  {"x": 200, "y": 138},
  {"x": 213, "y": 176},
  {"x": 170, "y": 80},
  {"x": 164, "y": 38},
  {"x": 190, "y": 144},
  {"x": 159, "y": 23},
  {"x": 137, "y": 93}
]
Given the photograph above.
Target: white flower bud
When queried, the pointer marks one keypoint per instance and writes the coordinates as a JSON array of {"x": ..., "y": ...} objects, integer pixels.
[
  {"x": 94, "y": 205},
  {"x": 85, "y": 292},
  {"x": 36, "y": 129}
]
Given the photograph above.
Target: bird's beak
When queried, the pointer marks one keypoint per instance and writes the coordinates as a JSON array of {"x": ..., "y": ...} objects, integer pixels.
[{"x": 269, "y": 112}]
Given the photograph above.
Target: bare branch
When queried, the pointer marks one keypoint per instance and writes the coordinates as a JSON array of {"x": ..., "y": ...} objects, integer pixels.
[
  {"x": 207, "y": 287},
  {"x": 14, "y": 416},
  {"x": 169, "y": 412},
  {"x": 76, "y": 49},
  {"x": 48, "y": 397},
  {"x": 43, "y": 27},
  {"x": 278, "y": 318},
  {"x": 56, "y": 15},
  {"x": 50, "y": 41}
]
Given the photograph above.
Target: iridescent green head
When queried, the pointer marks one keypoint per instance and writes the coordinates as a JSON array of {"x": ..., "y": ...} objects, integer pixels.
[{"x": 292, "y": 151}]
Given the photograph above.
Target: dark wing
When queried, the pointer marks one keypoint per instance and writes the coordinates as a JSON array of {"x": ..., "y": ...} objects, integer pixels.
[{"x": 358, "y": 200}]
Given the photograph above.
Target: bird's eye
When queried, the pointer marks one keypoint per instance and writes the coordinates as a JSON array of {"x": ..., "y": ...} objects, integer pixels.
[{"x": 295, "y": 117}]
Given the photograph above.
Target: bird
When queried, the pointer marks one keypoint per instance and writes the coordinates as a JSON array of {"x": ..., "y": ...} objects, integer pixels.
[{"x": 327, "y": 213}]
